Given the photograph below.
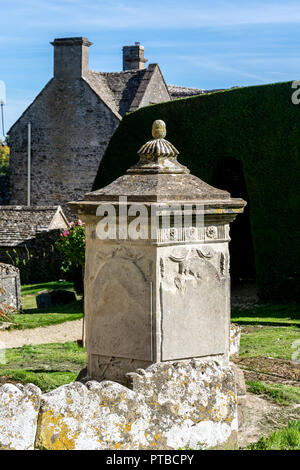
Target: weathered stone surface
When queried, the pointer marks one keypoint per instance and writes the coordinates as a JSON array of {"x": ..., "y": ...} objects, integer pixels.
[
  {"x": 235, "y": 338},
  {"x": 19, "y": 407},
  {"x": 239, "y": 380},
  {"x": 19, "y": 225},
  {"x": 190, "y": 403},
  {"x": 10, "y": 288}
]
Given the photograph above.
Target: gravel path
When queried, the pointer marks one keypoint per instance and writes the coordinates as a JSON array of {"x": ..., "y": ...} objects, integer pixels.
[{"x": 68, "y": 331}]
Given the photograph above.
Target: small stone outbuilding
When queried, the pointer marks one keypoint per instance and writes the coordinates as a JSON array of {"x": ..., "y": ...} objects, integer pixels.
[{"x": 28, "y": 235}]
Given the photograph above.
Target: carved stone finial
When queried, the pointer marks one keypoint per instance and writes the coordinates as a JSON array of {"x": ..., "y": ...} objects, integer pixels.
[
  {"x": 158, "y": 155},
  {"x": 159, "y": 130}
]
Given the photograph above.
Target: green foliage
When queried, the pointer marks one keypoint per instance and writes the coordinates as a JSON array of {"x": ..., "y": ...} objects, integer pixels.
[
  {"x": 258, "y": 126},
  {"x": 72, "y": 244},
  {"x": 282, "y": 394},
  {"x": 39, "y": 260},
  {"x": 46, "y": 381},
  {"x": 4, "y": 158},
  {"x": 23, "y": 260},
  {"x": 284, "y": 439}
]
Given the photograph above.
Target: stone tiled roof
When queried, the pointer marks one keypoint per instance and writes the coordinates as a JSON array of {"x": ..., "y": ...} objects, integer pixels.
[
  {"x": 120, "y": 90},
  {"x": 183, "y": 92},
  {"x": 21, "y": 223},
  {"x": 116, "y": 89}
]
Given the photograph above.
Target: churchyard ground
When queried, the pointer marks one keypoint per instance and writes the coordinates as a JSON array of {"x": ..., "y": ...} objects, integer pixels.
[
  {"x": 269, "y": 335},
  {"x": 32, "y": 317}
]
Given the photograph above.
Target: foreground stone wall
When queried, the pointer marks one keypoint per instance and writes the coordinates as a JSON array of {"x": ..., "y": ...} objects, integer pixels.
[
  {"x": 19, "y": 407},
  {"x": 169, "y": 406}
]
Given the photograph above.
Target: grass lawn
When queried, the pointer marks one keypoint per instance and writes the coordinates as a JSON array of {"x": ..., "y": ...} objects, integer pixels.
[
  {"x": 270, "y": 337},
  {"x": 285, "y": 439},
  {"x": 33, "y": 317},
  {"x": 279, "y": 393},
  {"x": 31, "y": 289},
  {"x": 46, "y": 365},
  {"x": 276, "y": 342}
]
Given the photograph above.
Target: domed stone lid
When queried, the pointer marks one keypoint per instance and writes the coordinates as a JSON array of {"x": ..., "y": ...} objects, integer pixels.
[
  {"x": 158, "y": 155},
  {"x": 158, "y": 177}
]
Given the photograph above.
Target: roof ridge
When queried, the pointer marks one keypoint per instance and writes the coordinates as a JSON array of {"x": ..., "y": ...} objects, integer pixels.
[{"x": 102, "y": 90}]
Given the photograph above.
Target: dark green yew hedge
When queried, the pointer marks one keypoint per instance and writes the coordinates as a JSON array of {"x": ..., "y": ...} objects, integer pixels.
[{"x": 260, "y": 126}]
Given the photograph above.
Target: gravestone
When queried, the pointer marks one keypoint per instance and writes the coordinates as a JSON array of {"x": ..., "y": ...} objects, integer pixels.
[
  {"x": 157, "y": 283},
  {"x": 10, "y": 288},
  {"x": 51, "y": 298}
]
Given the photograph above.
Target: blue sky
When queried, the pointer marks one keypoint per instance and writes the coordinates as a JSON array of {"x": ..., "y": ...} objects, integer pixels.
[{"x": 203, "y": 44}]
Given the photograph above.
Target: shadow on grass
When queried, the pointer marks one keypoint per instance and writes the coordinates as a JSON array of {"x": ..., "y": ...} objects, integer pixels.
[
  {"x": 270, "y": 314},
  {"x": 264, "y": 323},
  {"x": 72, "y": 307},
  {"x": 29, "y": 289}
]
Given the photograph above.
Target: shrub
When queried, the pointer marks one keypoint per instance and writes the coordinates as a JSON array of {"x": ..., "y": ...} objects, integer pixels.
[
  {"x": 38, "y": 260},
  {"x": 72, "y": 245},
  {"x": 4, "y": 158}
]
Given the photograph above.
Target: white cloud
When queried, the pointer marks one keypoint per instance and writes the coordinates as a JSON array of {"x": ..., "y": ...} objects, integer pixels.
[{"x": 163, "y": 14}]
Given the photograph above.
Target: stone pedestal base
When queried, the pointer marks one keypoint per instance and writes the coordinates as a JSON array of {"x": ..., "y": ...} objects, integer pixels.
[
  {"x": 113, "y": 368},
  {"x": 190, "y": 404}
]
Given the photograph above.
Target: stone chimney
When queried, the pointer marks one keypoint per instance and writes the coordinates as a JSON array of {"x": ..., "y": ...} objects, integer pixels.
[
  {"x": 71, "y": 58},
  {"x": 133, "y": 57}
]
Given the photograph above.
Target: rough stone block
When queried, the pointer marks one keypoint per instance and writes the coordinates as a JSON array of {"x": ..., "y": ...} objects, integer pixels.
[
  {"x": 19, "y": 407},
  {"x": 170, "y": 406},
  {"x": 239, "y": 380}
]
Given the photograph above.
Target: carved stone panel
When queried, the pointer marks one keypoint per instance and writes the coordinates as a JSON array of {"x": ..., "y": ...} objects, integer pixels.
[
  {"x": 120, "y": 316},
  {"x": 194, "y": 321}
]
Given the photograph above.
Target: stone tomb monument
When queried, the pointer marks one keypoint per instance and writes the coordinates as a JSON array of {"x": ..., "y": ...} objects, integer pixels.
[
  {"x": 160, "y": 300},
  {"x": 10, "y": 288}
]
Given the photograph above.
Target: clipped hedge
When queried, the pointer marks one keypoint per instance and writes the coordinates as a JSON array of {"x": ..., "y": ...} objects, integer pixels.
[{"x": 260, "y": 127}]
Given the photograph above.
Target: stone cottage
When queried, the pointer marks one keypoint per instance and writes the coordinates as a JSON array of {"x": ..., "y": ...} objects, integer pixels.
[
  {"x": 27, "y": 239},
  {"x": 73, "y": 118}
]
